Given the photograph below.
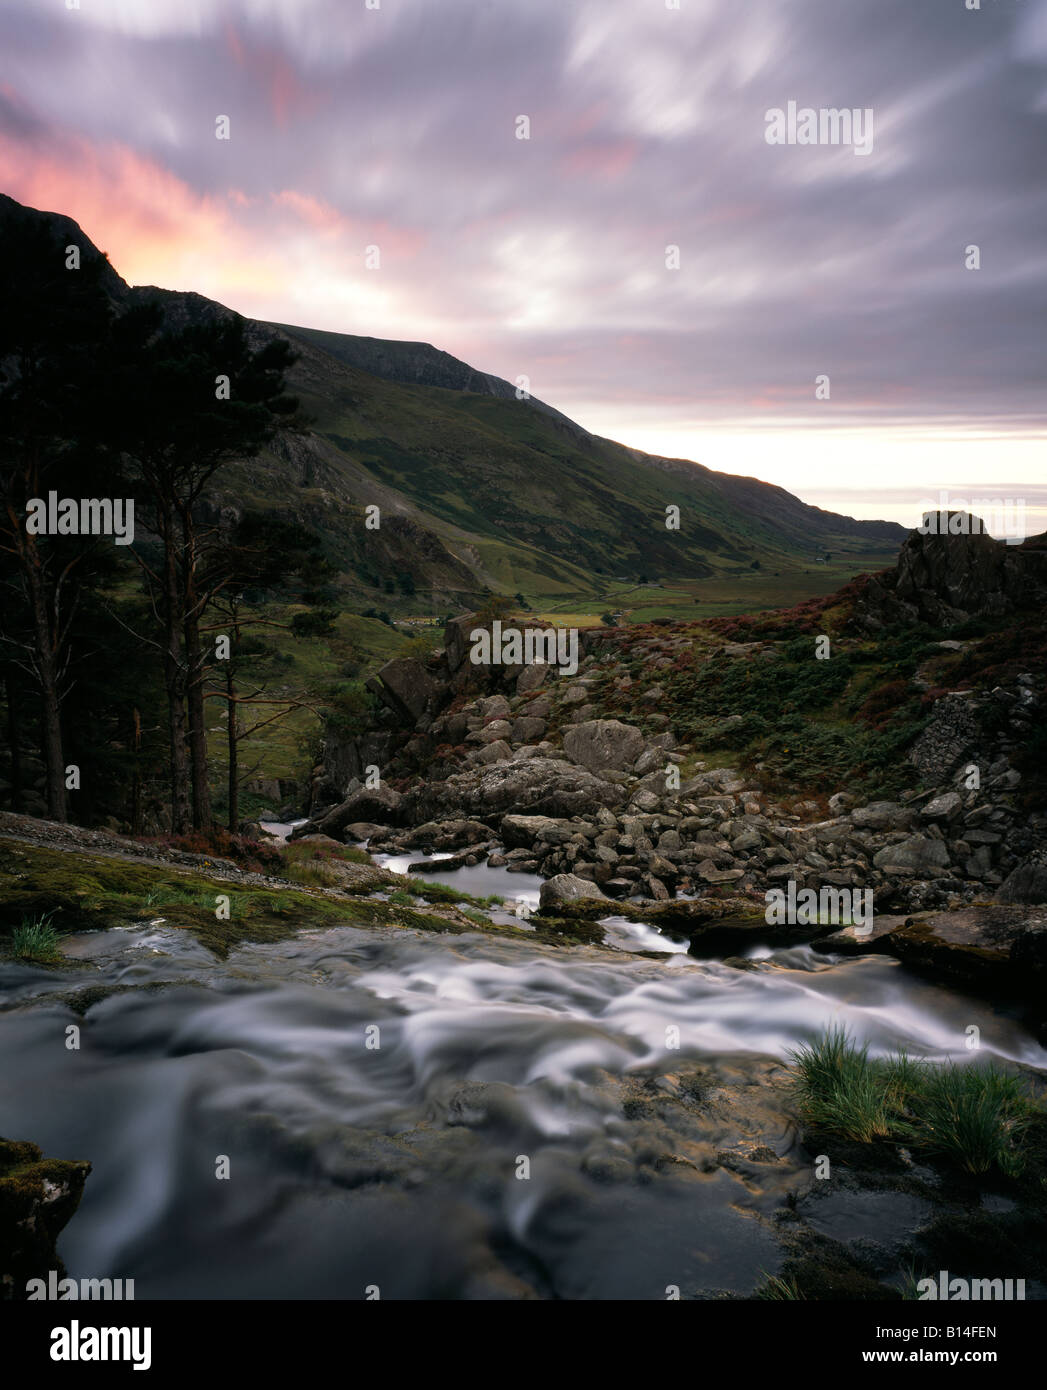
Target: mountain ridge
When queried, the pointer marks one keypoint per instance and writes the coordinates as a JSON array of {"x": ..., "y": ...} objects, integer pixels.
[{"x": 505, "y": 494}]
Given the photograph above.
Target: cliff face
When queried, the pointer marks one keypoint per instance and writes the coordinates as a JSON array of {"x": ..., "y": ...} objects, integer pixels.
[
  {"x": 37, "y": 1197},
  {"x": 948, "y": 578}
]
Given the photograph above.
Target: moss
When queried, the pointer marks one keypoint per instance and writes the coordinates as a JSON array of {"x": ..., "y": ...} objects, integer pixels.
[
  {"x": 828, "y": 1275},
  {"x": 562, "y": 931},
  {"x": 92, "y": 892}
]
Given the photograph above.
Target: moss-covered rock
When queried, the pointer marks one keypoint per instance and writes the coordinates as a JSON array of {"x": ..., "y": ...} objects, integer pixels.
[{"x": 37, "y": 1197}]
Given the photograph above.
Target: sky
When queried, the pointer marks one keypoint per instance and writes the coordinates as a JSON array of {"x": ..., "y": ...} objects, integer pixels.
[{"x": 396, "y": 125}]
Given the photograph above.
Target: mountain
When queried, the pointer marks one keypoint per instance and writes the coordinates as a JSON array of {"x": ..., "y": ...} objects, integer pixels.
[{"x": 480, "y": 491}]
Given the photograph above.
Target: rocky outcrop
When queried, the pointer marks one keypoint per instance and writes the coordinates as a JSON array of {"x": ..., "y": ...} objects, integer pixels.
[
  {"x": 953, "y": 574},
  {"x": 37, "y": 1197},
  {"x": 989, "y": 946}
]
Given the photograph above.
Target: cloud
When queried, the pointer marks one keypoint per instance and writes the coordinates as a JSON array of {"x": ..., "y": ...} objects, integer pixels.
[{"x": 397, "y": 127}]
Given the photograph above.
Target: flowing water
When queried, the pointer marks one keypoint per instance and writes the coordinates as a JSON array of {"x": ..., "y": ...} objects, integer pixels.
[
  {"x": 478, "y": 880},
  {"x": 440, "y": 1116}
]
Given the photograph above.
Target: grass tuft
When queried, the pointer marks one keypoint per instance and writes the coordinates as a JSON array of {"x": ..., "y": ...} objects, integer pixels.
[
  {"x": 975, "y": 1117},
  {"x": 37, "y": 939}
]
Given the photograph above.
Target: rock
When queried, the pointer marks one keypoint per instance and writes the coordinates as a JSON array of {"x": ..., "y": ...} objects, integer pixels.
[
  {"x": 600, "y": 744},
  {"x": 1027, "y": 883},
  {"x": 367, "y": 804},
  {"x": 528, "y": 728},
  {"x": 495, "y": 752},
  {"x": 650, "y": 760},
  {"x": 660, "y": 867},
  {"x": 360, "y": 830},
  {"x": 917, "y": 854},
  {"x": 447, "y": 834},
  {"x": 526, "y": 830},
  {"x": 953, "y": 573},
  {"x": 881, "y": 815},
  {"x": 499, "y": 730},
  {"x": 987, "y": 945},
  {"x": 847, "y": 941},
  {"x": 575, "y": 694},
  {"x": 746, "y": 841},
  {"x": 496, "y": 706},
  {"x": 406, "y": 687},
  {"x": 566, "y": 888},
  {"x": 37, "y": 1197},
  {"x": 321, "y": 841},
  {"x": 531, "y": 678},
  {"x": 952, "y": 738},
  {"x": 709, "y": 873},
  {"x": 943, "y": 808}
]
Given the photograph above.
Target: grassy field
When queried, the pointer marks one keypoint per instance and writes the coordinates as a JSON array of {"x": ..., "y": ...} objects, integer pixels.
[{"x": 719, "y": 596}]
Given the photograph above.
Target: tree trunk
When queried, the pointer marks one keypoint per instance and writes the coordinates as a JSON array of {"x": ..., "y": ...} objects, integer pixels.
[
  {"x": 174, "y": 683},
  {"x": 233, "y": 737},
  {"x": 194, "y": 658},
  {"x": 202, "y": 819},
  {"x": 14, "y": 735},
  {"x": 47, "y": 672},
  {"x": 137, "y": 820}
]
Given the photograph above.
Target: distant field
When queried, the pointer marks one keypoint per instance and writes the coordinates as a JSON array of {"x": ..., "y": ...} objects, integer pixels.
[{"x": 719, "y": 596}]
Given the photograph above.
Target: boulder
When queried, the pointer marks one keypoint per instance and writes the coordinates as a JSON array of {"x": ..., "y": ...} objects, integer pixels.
[
  {"x": 943, "y": 808},
  {"x": 531, "y": 678},
  {"x": 360, "y": 830},
  {"x": 918, "y": 854},
  {"x": 495, "y": 752},
  {"x": 447, "y": 834},
  {"x": 528, "y": 728},
  {"x": 497, "y": 731},
  {"x": 1027, "y": 883},
  {"x": 566, "y": 888},
  {"x": 599, "y": 744},
  {"x": 881, "y": 815},
  {"x": 380, "y": 804},
  {"x": 524, "y": 831},
  {"x": 406, "y": 687}
]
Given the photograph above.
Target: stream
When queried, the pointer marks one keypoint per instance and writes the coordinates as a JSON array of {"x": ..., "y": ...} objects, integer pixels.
[{"x": 525, "y": 1122}]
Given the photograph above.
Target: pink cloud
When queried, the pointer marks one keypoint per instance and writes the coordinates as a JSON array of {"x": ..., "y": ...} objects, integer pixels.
[{"x": 608, "y": 159}]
